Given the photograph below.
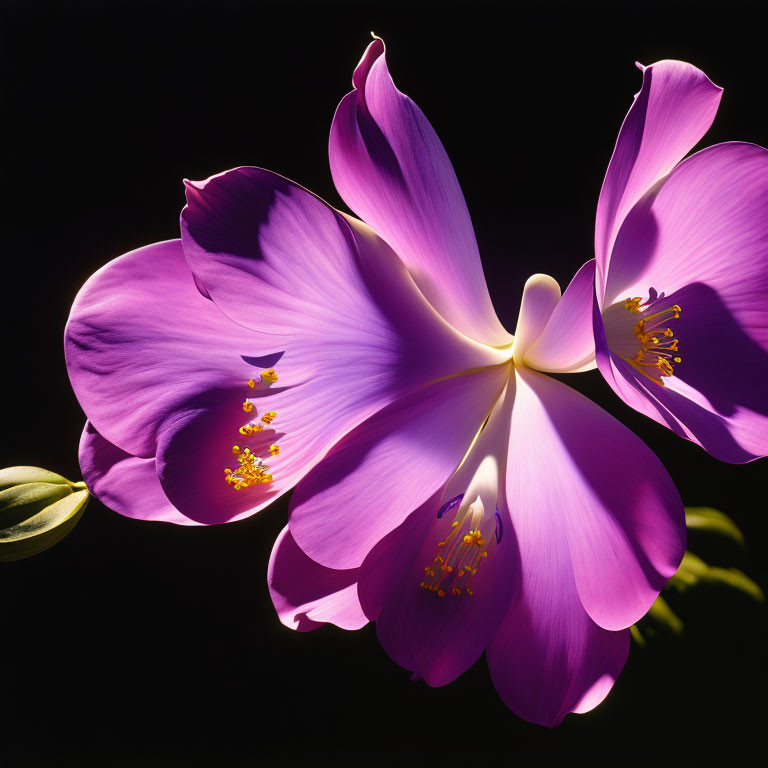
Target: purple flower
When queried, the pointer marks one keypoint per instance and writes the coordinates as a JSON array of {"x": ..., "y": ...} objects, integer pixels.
[
  {"x": 446, "y": 488},
  {"x": 682, "y": 269}
]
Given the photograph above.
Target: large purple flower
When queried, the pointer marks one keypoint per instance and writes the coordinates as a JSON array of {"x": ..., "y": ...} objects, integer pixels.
[
  {"x": 682, "y": 269},
  {"x": 446, "y": 488}
]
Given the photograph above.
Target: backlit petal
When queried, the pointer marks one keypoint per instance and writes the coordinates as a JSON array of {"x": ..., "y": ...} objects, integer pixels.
[
  {"x": 392, "y": 171},
  {"x": 549, "y": 657},
  {"x": 589, "y": 481},
  {"x": 353, "y": 330},
  {"x": 390, "y": 465},
  {"x": 673, "y": 110},
  {"x": 307, "y": 595},
  {"x": 141, "y": 340}
]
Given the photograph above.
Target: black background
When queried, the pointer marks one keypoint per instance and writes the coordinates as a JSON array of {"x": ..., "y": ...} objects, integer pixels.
[{"x": 133, "y": 644}]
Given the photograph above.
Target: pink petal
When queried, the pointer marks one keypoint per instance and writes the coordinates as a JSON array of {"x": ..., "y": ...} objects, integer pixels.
[
  {"x": 307, "y": 595},
  {"x": 703, "y": 241},
  {"x": 567, "y": 342},
  {"x": 127, "y": 484},
  {"x": 391, "y": 169},
  {"x": 588, "y": 481},
  {"x": 549, "y": 657},
  {"x": 389, "y": 466},
  {"x": 673, "y": 110},
  {"x": 141, "y": 340},
  {"x": 436, "y": 637},
  {"x": 355, "y": 332}
]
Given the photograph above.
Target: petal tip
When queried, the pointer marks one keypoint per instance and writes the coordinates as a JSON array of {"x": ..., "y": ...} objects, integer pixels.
[{"x": 375, "y": 49}]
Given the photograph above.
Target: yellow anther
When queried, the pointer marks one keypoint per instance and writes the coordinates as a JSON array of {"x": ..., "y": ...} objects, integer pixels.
[
  {"x": 251, "y": 470},
  {"x": 655, "y": 341},
  {"x": 458, "y": 558}
]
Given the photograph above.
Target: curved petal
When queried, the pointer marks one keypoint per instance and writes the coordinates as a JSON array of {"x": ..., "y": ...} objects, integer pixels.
[
  {"x": 127, "y": 484},
  {"x": 702, "y": 239},
  {"x": 354, "y": 332},
  {"x": 736, "y": 439},
  {"x": 673, "y": 110},
  {"x": 390, "y": 465},
  {"x": 549, "y": 657},
  {"x": 141, "y": 339},
  {"x": 567, "y": 343},
  {"x": 589, "y": 481},
  {"x": 307, "y": 595},
  {"x": 436, "y": 637},
  {"x": 391, "y": 169}
]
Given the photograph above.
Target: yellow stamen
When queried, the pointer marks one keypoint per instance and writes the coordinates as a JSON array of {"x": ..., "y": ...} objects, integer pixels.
[
  {"x": 269, "y": 376},
  {"x": 458, "y": 557},
  {"x": 653, "y": 340},
  {"x": 251, "y": 469}
]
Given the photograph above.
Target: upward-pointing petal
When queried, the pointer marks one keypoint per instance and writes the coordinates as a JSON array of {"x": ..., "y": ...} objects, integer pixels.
[
  {"x": 391, "y": 169},
  {"x": 673, "y": 110}
]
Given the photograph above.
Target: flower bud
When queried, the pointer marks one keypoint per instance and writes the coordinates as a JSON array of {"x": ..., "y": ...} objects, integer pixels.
[{"x": 37, "y": 509}]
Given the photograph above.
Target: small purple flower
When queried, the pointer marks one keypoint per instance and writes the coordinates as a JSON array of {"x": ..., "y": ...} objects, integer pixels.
[{"x": 682, "y": 269}]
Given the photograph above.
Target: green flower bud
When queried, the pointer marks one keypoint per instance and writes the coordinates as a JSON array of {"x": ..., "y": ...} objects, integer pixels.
[{"x": 37, "y": 509}]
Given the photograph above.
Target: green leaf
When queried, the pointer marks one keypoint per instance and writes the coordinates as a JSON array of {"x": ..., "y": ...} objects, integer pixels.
[
  {"x": 709, "y": 519},
  {"x": 694, "y": 571},
  {"x": 663, "y": 614}
]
